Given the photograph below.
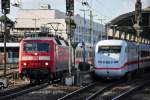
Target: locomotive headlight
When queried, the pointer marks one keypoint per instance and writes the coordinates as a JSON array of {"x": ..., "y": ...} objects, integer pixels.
[
  {"x": 35, "y": 53},
  {"x": 24, "y": 64},
  {"x": 46, "y": 63}
]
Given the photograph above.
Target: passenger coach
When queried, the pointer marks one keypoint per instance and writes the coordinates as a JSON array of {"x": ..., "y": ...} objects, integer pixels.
[{"x": 117, "y": 58}]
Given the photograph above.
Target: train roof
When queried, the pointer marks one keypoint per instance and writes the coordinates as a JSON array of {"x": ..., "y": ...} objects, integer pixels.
[
  {"x": 111, "y": 42},
  {"x": 121, "y": 42},
  {"x": 10, "y": 44},
  {"x": 56, "y": 40},
  {"x": 37, "y": 38}
]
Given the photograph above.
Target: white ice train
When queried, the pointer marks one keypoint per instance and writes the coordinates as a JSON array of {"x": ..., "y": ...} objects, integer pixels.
[{"x": 118, "y": 58}]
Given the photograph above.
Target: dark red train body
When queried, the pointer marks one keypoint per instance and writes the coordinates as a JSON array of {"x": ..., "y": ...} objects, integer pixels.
[{"x": 42, "y": 58}]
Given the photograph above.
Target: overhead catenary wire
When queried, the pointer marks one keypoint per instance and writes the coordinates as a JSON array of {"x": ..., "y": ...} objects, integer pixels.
[
  {"x": 94, "y": 10},
  {"x": 106, "y": 8}
]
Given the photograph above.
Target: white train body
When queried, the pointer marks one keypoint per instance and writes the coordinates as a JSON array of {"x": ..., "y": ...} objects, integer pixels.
[{"x": 116, "y": 58}]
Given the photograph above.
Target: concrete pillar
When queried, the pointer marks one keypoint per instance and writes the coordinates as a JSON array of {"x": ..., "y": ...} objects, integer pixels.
[
  {"x": 117, "y": 35},
  {"x": 125, "y": 36},
  {"x": 122, "y": 37},
  {"x": 120, "y": 33},
  {"x": 134, "y": 38},
  {"x": 146, "y": 41},
  {"x": 113, "y": 34},
  {"x": 130, "y": 36},
  {"x": 110, "y": 33},
  {"x": 140, "y": 39},
  {"x": 143, "y": 40}
]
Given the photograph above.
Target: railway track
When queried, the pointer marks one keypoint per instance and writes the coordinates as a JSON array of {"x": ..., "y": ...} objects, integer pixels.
[
  {"x": 131, "y": 91},
  {"x": 111, "y": 91},
  {"x": 13, "y": 89},
  {"x": 120, "y": 91},
  {"x": 89, "y": 92},
  {"x": 24, "y": 89},
  {"x": 12, "y": 93},
  {"x": 96, "y": 91}
]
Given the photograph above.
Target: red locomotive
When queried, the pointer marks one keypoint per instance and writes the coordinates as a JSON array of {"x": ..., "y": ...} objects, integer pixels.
[{"x": 43, "y": 58}]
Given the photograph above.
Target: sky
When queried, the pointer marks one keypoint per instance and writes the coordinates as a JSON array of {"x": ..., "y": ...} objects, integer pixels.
[{"x": 102, "y": 9}]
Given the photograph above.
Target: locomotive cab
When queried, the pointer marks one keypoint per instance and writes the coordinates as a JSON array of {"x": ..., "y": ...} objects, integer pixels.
[
  {"x": 43, "y": 58},
  {"x": 35, "y": 59},
  {"x": 109, "y": 58}
]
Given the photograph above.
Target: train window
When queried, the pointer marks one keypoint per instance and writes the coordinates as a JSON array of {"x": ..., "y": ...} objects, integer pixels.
[
  {"x": 10, "y": 54},
  {"x": 28, "y": 47},
  {"x": 115, "y": 49},
  {"x": 36, "y": 46},
  {"x": 16, "y": 55},
  {"x": 103, "y": 49},
  {"x": 58, "y": 41},
  {"x": 144, "y": 53},
  {"x": 66, "y": 43},
  {"x": 109, "y": 49},
  {"x": 43, "y": 47}
]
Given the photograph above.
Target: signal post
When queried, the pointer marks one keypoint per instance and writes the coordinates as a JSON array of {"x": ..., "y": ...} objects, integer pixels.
[
  {"x": 138, "y": 21},
  {"x": 69, "y": 23},
  {"x": 5, "y": 5}
]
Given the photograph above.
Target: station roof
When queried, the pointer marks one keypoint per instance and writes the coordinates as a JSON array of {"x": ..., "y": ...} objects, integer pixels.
[{"x": 126, "y": 21}]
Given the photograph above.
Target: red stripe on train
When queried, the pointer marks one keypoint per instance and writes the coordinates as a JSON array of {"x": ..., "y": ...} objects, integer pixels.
[{"x": 124, "y": 66}]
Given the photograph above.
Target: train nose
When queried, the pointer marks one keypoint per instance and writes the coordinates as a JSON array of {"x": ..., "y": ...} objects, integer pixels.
[
  {"x": 108, "y": 75},
  {"x": 107, "y": 72}
]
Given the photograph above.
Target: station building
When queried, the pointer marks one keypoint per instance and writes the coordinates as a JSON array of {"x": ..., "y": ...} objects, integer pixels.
[{"x": 31, "y": 20}]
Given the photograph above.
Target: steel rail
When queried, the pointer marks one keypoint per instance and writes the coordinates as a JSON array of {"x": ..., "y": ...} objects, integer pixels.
[
  {"x": 102, "y": 90},
  {"x": 11, "y": 90},
  {"x": 131, "y": 91},
  {"x": 22, "y": 91},
  {"x": 77, "y": 91},
  {"x": 7, "y": 94}
]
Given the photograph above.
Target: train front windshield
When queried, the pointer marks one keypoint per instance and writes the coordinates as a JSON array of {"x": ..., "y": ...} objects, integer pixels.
[
  {"x": 109, "y": 49},
  {"x": 36, "y": 46}
]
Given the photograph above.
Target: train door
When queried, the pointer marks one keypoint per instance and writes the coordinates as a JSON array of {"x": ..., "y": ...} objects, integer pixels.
[
  {"x": 132, "y": 56},
  {"x": 138, "y": 56},
  {"x": 114, "y": 56},
  {"x": 129, "y": 58}
]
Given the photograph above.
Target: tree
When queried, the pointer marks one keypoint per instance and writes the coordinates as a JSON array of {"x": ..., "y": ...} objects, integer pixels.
[{"x": 9, "y": 22}]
